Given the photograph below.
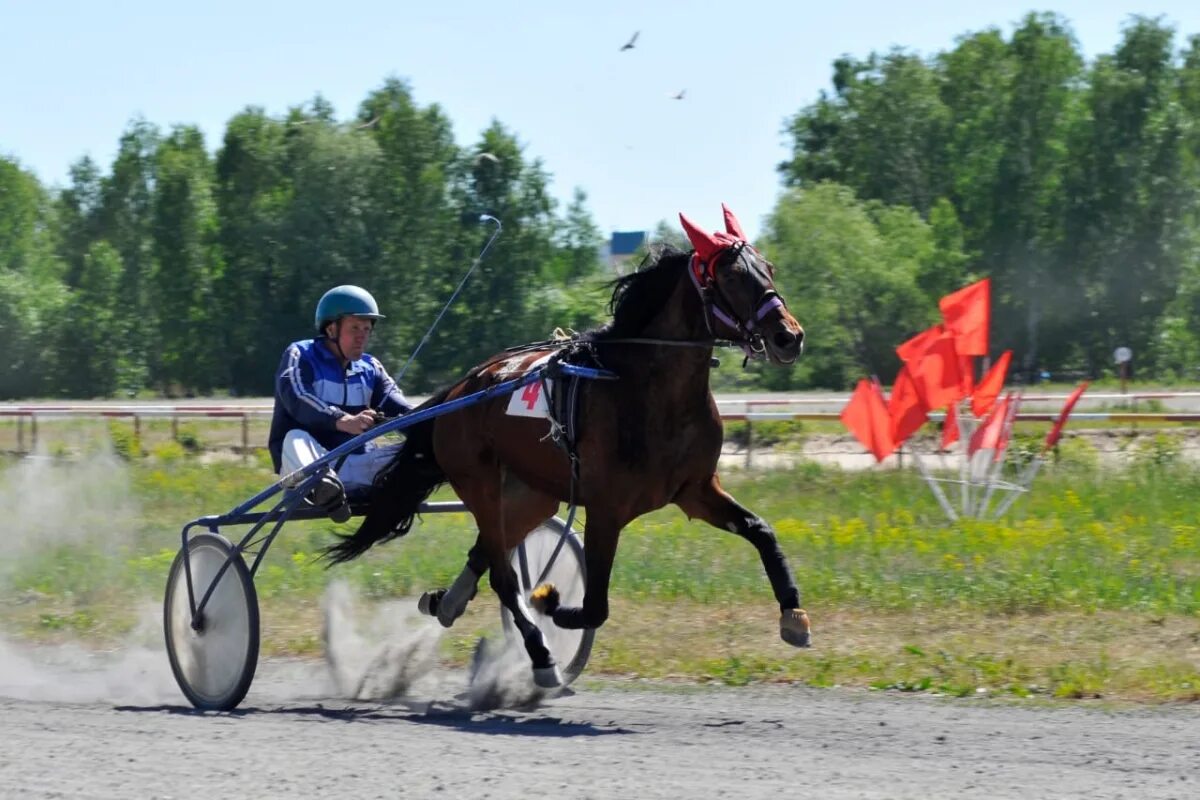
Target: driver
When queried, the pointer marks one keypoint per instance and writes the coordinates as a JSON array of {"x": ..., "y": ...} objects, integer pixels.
[{"x": 329, "y": 390}]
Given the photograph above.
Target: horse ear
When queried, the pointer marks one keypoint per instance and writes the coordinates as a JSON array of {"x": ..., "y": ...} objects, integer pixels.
[
  {"x": 732, "y": 226},
  {"x": 705, "y": 243}
]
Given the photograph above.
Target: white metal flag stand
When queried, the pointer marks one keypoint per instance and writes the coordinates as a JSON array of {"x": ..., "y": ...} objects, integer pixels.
[{"x": 981, "y": 467}]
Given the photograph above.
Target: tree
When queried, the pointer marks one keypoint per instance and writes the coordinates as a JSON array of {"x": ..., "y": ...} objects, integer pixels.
[
  {"x": 78, "y": 209},
  {"x": 571, "y": 293},
  {"x": 1019, "y": 242},
  {"x": 90, "y": 343},
  {"x": 494, "y": 311},
  {"x": 187, "y": 264},
  {"x": 850, "y": 270},
  {"x": 1133, "y": 199},
  {"x": 254, "y": 191},
  {"x": 428, "y": 230},
  {"x": 124, "y": 220},
  {"x": 31, "y": 291},
  {"x": 883, "y": 134}
]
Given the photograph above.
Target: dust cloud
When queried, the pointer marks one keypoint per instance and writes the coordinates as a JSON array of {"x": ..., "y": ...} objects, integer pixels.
[
  {"x": 386, "y": 653},
  {"x": 390, "y": 654},
  {"x": 50, "y": 501},
  {"x": 47, "y": 501},
  {"x": 381, "y": 656}
]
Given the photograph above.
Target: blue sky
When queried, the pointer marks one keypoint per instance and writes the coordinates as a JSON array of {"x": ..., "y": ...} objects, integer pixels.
[{"x": 74, "y": 74}]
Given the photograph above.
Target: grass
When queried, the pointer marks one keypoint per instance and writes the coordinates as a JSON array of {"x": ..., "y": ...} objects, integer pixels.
[{"x": 1089, "y": 588}]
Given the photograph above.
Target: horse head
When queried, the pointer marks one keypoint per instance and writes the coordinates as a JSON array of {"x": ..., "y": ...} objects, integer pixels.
[{"x": 737, "y": 285}]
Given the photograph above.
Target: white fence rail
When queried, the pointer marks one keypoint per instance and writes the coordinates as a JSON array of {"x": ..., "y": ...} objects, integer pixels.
[{"x": 749, "y": 410}]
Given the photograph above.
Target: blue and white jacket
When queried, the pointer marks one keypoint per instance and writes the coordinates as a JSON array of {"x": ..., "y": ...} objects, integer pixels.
[{"x": 312, "y": 392}]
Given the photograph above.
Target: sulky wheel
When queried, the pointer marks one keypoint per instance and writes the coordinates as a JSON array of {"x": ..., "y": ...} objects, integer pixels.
[
  {"x": 214, "y": 660},
  {"x": 570, "y": 648}
]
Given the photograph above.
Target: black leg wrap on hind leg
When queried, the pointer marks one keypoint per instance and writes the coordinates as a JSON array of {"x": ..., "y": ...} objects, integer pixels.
[{"x": 783, "y": 582}]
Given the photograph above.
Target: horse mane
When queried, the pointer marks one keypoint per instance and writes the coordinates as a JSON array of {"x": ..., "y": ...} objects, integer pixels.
[{"x": 638, "y": 296}]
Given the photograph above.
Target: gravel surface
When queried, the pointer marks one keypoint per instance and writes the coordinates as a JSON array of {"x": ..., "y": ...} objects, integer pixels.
[{"x": 130, "y": 735}]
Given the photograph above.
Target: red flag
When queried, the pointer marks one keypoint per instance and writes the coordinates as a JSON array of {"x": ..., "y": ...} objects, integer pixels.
[
  {"x": 987, "y": 435},
  {"x": 1056, "y": 431},
  {"x": 950, "y": 426},
  {"x": 905, "y": 408},
  {"x": 916, "y": 346},
  {"x": 866, "y": 417},
  {"x": 936, "y": 373},
  {"x": 1006, "y": 429},
  {"x": 967, "y": 313},
  {"x": 966, "y": 372},
  {"x": 989, "y": 388}
]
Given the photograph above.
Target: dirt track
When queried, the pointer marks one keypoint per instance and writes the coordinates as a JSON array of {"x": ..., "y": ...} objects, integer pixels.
[{"x": 605, "y": 741}]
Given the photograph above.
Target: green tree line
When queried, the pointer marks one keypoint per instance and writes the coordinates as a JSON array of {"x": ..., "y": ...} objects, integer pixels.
[
  {"x": 1074, "y": 185},
  {"x": 177, "y": 271}
]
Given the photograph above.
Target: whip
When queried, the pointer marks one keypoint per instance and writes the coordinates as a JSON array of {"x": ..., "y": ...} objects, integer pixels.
[{"x": 478, "y": 259}]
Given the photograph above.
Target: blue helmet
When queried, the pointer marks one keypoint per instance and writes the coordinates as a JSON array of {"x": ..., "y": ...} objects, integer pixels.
[{"x": 345, "y": 301}]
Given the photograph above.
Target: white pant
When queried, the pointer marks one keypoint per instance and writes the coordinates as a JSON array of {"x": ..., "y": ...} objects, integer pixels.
[{"x": 358, "y": 470}]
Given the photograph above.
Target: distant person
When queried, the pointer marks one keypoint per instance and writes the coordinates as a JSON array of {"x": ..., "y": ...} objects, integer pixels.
[{"x": 329, "y": 390}]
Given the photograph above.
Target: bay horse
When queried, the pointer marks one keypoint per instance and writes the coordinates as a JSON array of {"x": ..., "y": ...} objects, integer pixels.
[{"x": 649, "y": 438}]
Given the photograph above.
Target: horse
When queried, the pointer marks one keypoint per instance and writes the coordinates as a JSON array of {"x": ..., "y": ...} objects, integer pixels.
[{"x": 650, "y": 438}]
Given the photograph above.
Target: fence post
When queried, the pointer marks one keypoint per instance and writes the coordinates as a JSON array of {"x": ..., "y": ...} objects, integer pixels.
[
  {"x": 749, "y": 443},
  {"x": 174, "y": 427},
  {"x": 32, "y": 432},
  {"x": 245, "y": 435},
  {"x": 137, "y": 432},
  {"x": 20, "y": 433}
]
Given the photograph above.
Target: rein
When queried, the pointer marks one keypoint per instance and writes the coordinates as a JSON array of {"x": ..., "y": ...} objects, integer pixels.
[
  {"x": 704, "y": 280},
  {"x": 675, "y": 342}
]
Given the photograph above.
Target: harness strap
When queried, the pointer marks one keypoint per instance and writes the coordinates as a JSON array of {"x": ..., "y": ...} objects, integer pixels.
[{"x": 703, "y": 279}]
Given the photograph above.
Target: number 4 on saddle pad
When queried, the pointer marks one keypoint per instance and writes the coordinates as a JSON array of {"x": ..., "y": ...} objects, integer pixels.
[{"x": 531, "y": 401}]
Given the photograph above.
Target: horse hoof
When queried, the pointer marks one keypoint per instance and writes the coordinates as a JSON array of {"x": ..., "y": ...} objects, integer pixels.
[
  {"x": 794, "y": 628},
  {"x": 545, "y": 599},
  {"x": 428, "y": 604},
  {"x": 547, "y": 677}
]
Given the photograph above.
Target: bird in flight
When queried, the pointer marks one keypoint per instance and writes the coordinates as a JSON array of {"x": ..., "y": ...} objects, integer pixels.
[
  {"x": 679, "y": 95},
  {"x": 629, "y": 45}
]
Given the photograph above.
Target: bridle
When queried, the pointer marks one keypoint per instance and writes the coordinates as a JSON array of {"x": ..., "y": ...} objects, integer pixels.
[{"x": 718, "y": 308}]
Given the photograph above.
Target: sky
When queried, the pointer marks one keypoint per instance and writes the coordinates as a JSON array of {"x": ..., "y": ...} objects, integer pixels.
[{"x": 599, "y": 118}]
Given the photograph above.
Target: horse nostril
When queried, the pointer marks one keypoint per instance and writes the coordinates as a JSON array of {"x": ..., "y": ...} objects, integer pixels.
[{"x": 785, "y": 340}]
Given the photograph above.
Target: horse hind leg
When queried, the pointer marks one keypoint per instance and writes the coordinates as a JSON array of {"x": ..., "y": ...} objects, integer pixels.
[
  {"x": 546, "y": 673},
  {"x": 449, "y": 604},
  {"x": 505, "y": 510},
  {"x": 522, "y": 509}
]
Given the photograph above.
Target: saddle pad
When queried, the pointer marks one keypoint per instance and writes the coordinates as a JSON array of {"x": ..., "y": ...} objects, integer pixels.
[{"x": 529, "y": 401}]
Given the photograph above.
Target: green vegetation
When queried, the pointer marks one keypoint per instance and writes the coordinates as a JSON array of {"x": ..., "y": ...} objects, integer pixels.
[
  {"x": 1075, "y": 185},
  {"x": 1091, "y": 587}
]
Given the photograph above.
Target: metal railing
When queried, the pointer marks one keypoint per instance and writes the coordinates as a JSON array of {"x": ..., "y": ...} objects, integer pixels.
[{"x": 748, "y": 411}]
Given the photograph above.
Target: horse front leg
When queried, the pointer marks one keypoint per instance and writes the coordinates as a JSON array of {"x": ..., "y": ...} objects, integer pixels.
[
  {"x": 600, "y": 537},
  {"x": 706, "y": 500}
]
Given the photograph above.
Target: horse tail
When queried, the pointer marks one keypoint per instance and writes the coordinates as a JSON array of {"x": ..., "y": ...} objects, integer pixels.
[{"x": 400, "y": 489}]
